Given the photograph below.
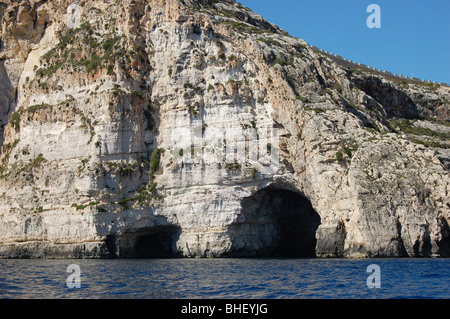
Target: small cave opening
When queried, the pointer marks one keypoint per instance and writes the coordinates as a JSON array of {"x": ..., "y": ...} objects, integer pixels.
[
  {"x": 160, "y": 244},
  {"x": 277, "y": 222},
  {"x": 150, "y": 243}
]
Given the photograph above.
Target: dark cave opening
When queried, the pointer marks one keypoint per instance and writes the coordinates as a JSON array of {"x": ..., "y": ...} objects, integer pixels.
[
  {"x": 280, "y": 223},
  {"x": 159, "y": 244}
]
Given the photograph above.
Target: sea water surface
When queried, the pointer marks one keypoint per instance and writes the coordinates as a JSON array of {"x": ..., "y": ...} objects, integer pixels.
[{"x": 226, "y": 279}]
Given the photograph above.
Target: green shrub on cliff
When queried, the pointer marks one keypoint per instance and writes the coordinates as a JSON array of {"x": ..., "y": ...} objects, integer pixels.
[{"x": 155, "y": 160}]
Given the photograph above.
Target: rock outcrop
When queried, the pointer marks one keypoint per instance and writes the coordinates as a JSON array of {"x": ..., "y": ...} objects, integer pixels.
[{"x": 196, "y": 128}]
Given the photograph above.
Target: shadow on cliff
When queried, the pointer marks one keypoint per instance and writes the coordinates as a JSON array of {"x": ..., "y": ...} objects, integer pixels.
[
  {"x": 395, "y": 102},
  {"x": 7, "y": 99}
]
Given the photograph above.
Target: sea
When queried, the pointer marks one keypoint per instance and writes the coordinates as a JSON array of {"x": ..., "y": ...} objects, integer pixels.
[{"x": 270, "y": 278}]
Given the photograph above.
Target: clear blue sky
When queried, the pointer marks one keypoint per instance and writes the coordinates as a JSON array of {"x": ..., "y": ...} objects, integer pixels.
[{"x": 414, "y": 39}]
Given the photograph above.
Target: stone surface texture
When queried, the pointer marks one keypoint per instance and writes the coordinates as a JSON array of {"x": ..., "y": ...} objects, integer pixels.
[{"x": 96, "y": 99}]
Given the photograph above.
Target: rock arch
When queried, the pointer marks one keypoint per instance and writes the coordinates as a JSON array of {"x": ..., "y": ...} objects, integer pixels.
[{"x": 275, "y": 222}]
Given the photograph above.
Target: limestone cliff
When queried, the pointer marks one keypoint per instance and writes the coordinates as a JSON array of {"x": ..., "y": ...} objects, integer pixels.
[{"x": 128, "y": 130}]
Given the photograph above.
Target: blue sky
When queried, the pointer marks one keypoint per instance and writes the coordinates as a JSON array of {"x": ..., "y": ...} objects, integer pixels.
[{"x": 414, "y": 38}]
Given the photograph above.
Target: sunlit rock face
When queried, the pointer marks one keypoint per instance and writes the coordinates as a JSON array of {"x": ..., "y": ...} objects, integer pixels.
[{"x": 198, "y": 129}]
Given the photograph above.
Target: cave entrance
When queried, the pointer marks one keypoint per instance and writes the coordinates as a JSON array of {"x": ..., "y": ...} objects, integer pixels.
[
  {"x": 160, "y": 244},
  {"x": 157, "y": 242},
  {"x": 277, "y": 222}
]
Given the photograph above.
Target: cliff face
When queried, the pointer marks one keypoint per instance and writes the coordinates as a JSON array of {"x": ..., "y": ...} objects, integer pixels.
[{"x": 190, "y": 128}]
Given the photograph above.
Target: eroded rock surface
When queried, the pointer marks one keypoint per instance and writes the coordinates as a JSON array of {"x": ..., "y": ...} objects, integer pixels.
[{"x": 117, "y": 117}]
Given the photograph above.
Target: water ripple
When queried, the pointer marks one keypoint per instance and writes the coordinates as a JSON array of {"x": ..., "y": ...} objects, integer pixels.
[{"x": 226, "y": 278}]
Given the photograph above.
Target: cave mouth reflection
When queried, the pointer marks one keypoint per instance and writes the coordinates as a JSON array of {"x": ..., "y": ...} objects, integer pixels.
[{"x": 276, "y": 222}]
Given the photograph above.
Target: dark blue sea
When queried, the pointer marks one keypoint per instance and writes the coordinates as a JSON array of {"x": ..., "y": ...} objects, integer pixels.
[{"x": 226, "y": 279}]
